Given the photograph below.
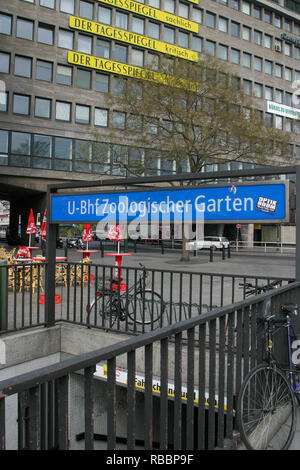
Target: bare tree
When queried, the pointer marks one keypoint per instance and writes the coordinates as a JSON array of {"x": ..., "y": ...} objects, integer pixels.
[{"x": 190, "y": 114}]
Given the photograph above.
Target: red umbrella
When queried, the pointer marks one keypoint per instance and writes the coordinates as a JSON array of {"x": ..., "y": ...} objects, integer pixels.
[
  {"x": 44, "y": 225},
  {"x": 87, "y": 233},
  {"x": 31, "y": 227},
  {"x": 115, "y": 233}
]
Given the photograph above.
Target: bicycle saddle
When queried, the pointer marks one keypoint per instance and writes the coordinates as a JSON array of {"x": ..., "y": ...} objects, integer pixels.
[{"x": 289, "y": 309}]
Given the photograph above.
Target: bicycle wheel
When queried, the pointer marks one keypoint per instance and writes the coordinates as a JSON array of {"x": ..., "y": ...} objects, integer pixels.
[
  {"x": 145, "y": 307},
  {"x": 107, "y": 307},
  {"x": 266, "y": 410}
]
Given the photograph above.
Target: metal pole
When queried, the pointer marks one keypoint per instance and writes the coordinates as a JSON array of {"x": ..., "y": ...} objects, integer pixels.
[
  {"x": 3, "y": 295},
  {"x": 298, "y": 223},
  {"x": 50, "y": 267}
]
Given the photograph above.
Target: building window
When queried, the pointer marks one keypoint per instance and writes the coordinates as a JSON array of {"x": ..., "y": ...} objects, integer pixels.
[
  {"x": 169, "y": 35},
  {"x": 120, "y": 53},
  {"x": 21, "y": 104},
  {"x": 65, "y": 39},
  {"x": 278, "y": 70},
  {"x": 183, "y": 10},
  {"x": 269, "y": 119},
  {"x": 153, "y": 30},
  {"x": 20, "y": 143},
  {"x": 287, "y": 25},
  {"x": 104, "y": 15},
  {"x": 258, "y": 90},
  {"x": 246, "y": 7},
  {"x": 210, "y": 20},
  {"x": 23, "y": 66},
  {"x": 63, "y": 111},
  {"x": 84, "y": 79},
  {"x": 4, "y": 141},
  {"x": 102, "y": 82},
  {"x": 47, "y": 3},
  {"x": 246, "y": 59},
  {"x": 137, "y": 57},
  {"x": 85, "y": 44},
  {"x": 4, "y": 102},
  {"x": 247, "y": 86},
  {"x": 45, "y": 34},
  {"x": 277, "y": 20},
  {"x": 103, "y": 49},
  {"x": 268, "y": 41},
  {"x": 257, "y": 12},
  {"x": 278, "y": 122},
  {"x": 24, "y": 29},
  {"x": 44, "y": 70},
  {"x": 288, "y": 74},
  {"x": 210, "y": 47},
  {"x": 269, "y": 93},
  {"x": 235, "y": 29},
  {"x": 197, "y": 15},
  {"x": 64, "y": 75},
  {"x": 267, "y": 16},
  {"x": 86, "y": 10},
  {"x": 5, "y": 24},
  {"x": 138, "y": 25},
  {"x": 288, "y": 99},
  {"x": 268, "y": 67},
  {"x": 288, "y": 125},
  {"x": 222, "y": 52},
  {"x": 196, "y": 44},
  {"x": 235, "y": 4},
  {"x": 67, "y": 6},
  {"x": 101, "y": 117},
  {"x": 183, "y": 39},
  {"x": 42, "y": 146},
  {"x": 258, "y": 64},
  {"x": 118, "y": 120},
  {"x": 235, "y": 56},
  {"x": 4, "y": 62},
  {"x": 63, "y": 148},
  {"x": 246, "y": 33},
  {"x": 223, "y": 24},
  {"x": 278, "y": 96},
  {"x": 42, "y": 108},
  {"x": 82, "y": 114},
  {"x": 287, "y": 49},
  {"x": 170, "y": 6},
  {"x": 121, "y": 20},
  {"x": 257, "y": 37}
]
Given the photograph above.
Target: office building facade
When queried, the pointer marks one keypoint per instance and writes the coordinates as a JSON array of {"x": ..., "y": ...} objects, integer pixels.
[{"x": 60, "y": 59}]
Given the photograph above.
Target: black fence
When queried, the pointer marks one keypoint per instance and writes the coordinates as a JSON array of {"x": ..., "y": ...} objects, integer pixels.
[
  {"x": 193, "y": 367},
  {"x": 139, "y": 301}
]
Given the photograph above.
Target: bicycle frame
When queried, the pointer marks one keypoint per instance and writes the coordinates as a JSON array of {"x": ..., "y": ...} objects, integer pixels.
[{"x": 291, "y": 336}]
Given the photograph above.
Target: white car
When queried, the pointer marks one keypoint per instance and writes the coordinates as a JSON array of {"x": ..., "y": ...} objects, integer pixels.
[{"x": 216, "y": 242}]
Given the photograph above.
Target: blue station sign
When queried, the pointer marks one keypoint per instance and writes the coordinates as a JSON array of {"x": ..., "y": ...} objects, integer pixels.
[{"x": 252, "y": 203}]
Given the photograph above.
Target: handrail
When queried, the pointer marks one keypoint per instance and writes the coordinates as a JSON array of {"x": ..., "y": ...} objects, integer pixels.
[{"x": 24, "y": 381}]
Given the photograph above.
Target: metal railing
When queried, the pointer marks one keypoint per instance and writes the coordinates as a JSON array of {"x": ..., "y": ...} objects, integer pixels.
[
  {"x": 206, "y": 370},
  {"x": 177, "y": 294}
]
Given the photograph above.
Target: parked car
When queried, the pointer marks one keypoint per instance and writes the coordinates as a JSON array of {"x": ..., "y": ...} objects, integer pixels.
[{"x": 216, "y": 242}]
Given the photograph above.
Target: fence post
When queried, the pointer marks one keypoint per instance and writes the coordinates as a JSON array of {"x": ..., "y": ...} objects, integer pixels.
[
  {"x": 3, "y": 295},
  {"x": 211, "y": 254}
]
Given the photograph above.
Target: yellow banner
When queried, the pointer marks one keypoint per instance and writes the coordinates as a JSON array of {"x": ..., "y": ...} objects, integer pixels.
[
  {"x": 153, "y": 13},
  {"x": 131, "y": 38},
  {"x": 127, "y": 70}
]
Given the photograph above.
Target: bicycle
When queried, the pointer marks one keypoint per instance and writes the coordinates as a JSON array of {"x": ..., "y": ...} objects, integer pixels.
[
  {"x": 266, "y": 406},
  {"x": 137, "y": 303}
]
